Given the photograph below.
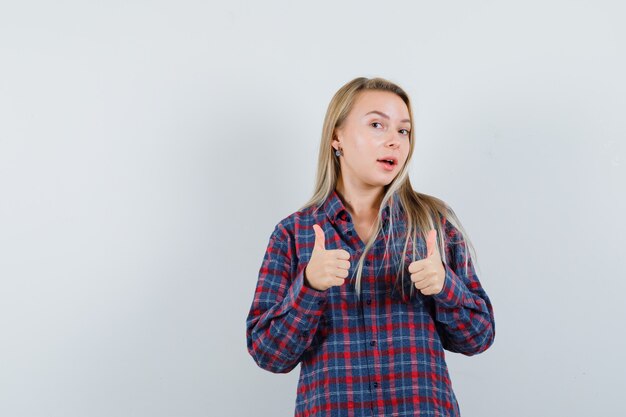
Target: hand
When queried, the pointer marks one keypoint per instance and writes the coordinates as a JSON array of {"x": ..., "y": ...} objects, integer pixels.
[
  {"x": 326, "y": 268},
  {"x": 429, "y": 274}
]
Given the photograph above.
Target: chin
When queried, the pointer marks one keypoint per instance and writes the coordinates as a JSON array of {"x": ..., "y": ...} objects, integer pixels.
[
  {"x": 383, "y": 183},
  {"x": 390, "y": 177}
]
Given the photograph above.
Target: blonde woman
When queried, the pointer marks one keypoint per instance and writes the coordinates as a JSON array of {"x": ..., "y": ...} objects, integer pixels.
[{"x": 367, "y": 283}]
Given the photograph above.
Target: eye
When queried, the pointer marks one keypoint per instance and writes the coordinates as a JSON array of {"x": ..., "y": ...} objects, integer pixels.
[
  {"x": 407, "y": 131},
  {"x": 375, "y": 123}
]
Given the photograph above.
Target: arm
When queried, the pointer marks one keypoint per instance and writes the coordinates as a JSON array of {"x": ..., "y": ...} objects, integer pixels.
[
  {"x": 285, "y": 312},
  {"x": 462, "y": 310}
]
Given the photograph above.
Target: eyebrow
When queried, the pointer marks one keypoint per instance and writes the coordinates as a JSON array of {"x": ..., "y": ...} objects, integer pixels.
[{"x": 385, "y": 116}]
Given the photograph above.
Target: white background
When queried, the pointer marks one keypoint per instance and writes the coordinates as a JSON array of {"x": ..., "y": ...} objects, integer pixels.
[{"x": 148, "y": 148}]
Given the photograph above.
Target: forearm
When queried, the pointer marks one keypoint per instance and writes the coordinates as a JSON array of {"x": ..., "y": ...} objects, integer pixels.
[
  {"x": 277, "y": 336},
  {"x": 464, "y": 316}
]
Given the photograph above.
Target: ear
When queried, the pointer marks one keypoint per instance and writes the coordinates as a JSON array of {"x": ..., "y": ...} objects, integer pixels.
[{"x": 335, "y": 142}]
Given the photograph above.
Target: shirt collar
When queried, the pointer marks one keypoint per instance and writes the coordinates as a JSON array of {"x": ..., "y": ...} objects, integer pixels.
[{"x": 336, "y": 211}]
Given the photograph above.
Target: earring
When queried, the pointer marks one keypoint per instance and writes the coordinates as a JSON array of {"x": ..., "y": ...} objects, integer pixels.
[{"x": 338, "y": 152}]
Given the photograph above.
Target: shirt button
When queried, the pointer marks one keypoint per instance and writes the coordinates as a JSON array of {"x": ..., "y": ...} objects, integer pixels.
[
  {"x": 375, "y": 384},
  {"x": 367, "y": 263},
  {"x": 369, "y": 302},
  {"x": 373, "y": 343},
  {"x": 349, "y": 232}
]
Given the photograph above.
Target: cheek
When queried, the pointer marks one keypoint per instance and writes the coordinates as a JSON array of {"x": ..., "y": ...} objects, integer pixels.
[
  {"x": 405, "y": 151},
  {"x": 364, "y": 152},
  {"x": 361, "y": 144}
]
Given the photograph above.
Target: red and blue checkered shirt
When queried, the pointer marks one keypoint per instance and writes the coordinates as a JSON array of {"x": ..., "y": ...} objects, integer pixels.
[{"x": 382, "y": 355}]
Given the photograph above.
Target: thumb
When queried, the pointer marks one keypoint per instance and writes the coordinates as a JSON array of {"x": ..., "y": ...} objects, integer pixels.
[
  {"x": 319, "y": 238},
  {"x": 431, "y": 243}
]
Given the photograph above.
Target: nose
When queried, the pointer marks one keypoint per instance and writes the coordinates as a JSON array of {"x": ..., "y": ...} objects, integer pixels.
[{"x": 392, "y": 140}]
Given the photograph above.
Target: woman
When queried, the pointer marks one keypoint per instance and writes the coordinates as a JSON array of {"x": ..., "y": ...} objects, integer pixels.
[{"x": 369, "y": 282}]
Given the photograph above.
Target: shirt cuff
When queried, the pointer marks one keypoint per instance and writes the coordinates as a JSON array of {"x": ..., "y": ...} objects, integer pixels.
[
  {"x": 304, "y": 299},
  {"x": 452, "y": 293}
]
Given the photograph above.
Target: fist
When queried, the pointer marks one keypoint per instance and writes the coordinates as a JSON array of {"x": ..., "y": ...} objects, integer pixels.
[
  {"x": 428, "y": 274},
  {"x": 326, "y": 268}
]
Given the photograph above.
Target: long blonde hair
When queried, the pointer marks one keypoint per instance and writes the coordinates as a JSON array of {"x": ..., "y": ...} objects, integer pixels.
[{"x": 422, "y": 211}]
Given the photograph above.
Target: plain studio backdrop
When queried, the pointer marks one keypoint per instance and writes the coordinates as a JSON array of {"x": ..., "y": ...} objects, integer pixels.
[{"x": 148, "y": 149}]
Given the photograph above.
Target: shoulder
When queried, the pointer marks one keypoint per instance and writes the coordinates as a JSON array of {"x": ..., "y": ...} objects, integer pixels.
[
  {"x": 439, "y": 209},
  {"x": 291, "y": 226},
  {"x": 443, "y": 213}
]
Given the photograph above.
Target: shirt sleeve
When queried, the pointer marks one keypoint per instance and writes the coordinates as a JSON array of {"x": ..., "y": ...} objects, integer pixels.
[
  {"x": 463, "y": 311},
  {"x": 285, "y": 312}
]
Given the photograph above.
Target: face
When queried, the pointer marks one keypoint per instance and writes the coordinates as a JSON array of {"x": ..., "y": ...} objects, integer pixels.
[{"x": 377, "y": 128}]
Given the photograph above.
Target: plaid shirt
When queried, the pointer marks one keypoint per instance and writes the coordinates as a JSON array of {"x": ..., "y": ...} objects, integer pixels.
[{"x": 382, "y": 355}]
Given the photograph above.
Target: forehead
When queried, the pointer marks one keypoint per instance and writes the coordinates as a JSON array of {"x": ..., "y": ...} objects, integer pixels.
[{"x": 382, "y": 101}]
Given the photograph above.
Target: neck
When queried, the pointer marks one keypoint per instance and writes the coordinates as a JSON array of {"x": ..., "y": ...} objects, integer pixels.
[{"x": 360, "y": 201}]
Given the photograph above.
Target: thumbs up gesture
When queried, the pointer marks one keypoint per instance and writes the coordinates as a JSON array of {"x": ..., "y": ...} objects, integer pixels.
[
  {"x": 326, "y": 268},
  {"x": 428, "y": 274}
]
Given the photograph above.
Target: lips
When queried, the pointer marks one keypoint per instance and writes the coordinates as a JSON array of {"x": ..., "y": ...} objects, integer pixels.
[
  {"x": 390, "y": 160},
  {"x": 387, "y": 164}
]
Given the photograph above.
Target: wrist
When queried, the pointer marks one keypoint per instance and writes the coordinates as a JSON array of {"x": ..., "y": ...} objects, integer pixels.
[{"x": 307, "y": 283}]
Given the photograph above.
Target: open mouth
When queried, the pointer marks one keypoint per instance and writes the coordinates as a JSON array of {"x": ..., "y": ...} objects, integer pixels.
[{"x": 390, "y": 162}]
